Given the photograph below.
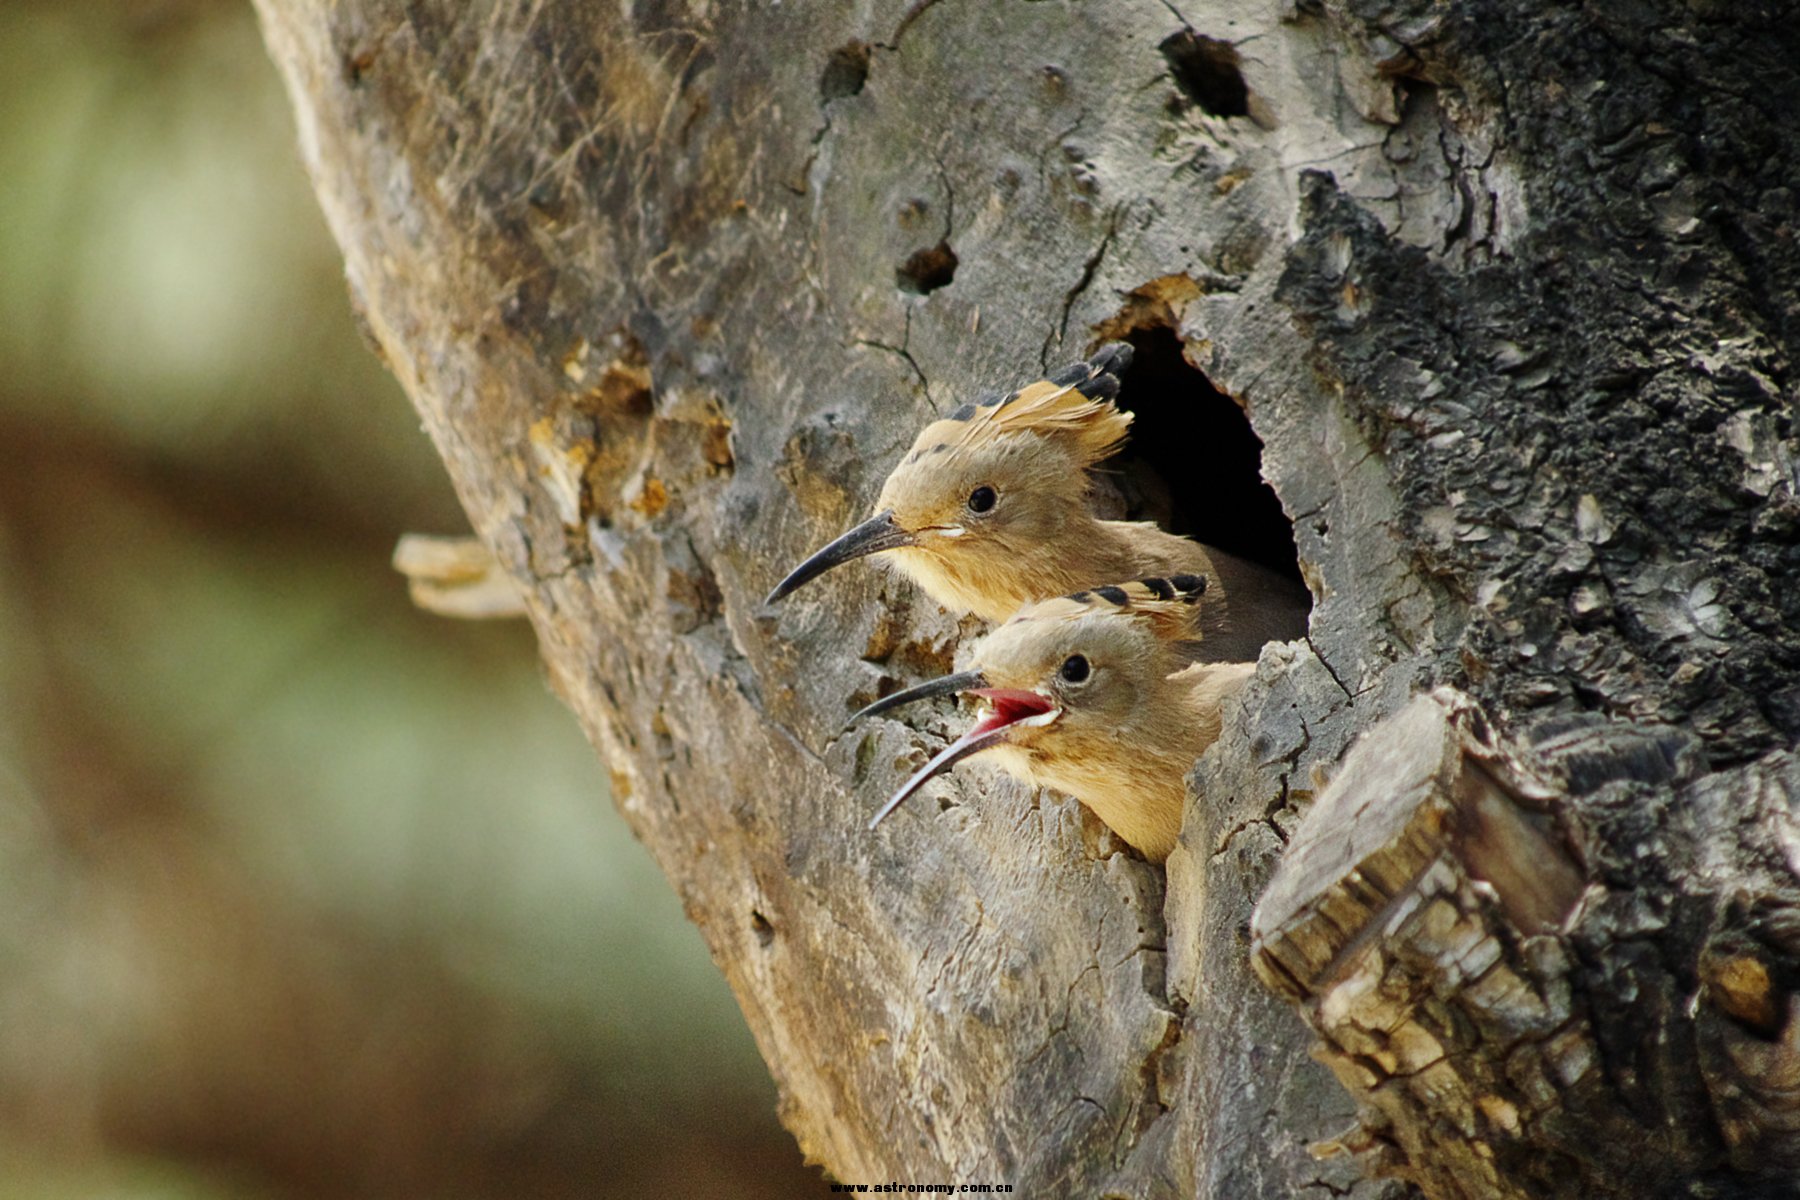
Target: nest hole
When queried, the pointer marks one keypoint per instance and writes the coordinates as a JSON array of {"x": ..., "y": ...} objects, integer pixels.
[
  {"x": 1194, "y": 464},
  {"x": 927, "y": 270},
  {"x": 1206, "y": 71}
]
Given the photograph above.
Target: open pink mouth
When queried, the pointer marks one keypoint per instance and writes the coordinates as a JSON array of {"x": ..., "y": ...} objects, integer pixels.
[{"x": 1009, "y": 706}]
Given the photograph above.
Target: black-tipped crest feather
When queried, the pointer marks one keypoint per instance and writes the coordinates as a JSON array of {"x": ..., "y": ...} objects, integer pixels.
[
  {"x": 1074, "y": 403},
  {"x": 1172, "y": 606}
]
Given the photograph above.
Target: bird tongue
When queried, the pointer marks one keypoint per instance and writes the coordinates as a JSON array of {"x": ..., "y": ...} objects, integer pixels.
[{"x": 1009, "y": 706}]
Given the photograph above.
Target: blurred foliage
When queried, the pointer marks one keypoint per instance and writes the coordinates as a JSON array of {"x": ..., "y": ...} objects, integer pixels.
[{"x": 302, "y": 892}]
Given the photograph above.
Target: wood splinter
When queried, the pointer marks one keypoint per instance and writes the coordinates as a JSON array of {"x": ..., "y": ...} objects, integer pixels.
[{"x": 456, "y": 577}]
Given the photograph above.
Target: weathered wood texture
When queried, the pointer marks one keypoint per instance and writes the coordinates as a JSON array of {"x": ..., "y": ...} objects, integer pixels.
[
  {"x": 1556, "y": 971},
  {"x": 1508, "y": 294}
]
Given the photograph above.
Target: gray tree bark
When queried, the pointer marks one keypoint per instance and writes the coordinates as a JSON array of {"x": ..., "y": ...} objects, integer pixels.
[{"x": 1509, "y": 298}]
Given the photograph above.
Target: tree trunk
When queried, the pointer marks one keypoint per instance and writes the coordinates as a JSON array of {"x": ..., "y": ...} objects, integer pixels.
[{"x": 1509, "y": 297}]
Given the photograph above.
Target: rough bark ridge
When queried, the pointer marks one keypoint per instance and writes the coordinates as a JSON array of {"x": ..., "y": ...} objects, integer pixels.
[
  {"x": 1550, "y": 970},
  {"x": 1509, "y": 297}
]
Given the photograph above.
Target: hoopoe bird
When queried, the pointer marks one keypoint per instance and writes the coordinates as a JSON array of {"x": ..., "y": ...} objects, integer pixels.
[
  {"x": 1103, "y": 695},
  {"x": 989, "y": 511}
]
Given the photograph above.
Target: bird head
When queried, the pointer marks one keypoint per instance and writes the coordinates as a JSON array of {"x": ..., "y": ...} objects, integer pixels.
[
  {"x": 987, "y": 492},
  {"x": 1068, "y": 678}
]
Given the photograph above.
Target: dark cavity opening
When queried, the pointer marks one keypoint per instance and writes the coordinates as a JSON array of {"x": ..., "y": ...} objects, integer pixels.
[
  {"x": 845, "y": 72},
  {"x": 1193, "y": 464},
  {"x": 927, "y": 270},
  {"x": 1206, "y": 71},
  {"x": 759, "y": 925}
]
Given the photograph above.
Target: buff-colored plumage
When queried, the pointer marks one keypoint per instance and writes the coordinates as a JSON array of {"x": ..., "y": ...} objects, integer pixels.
[
  {"x": 1077, "y": 412},
  {"x": 1102, "y": 695},
  {"x": 990, "y": 510}
]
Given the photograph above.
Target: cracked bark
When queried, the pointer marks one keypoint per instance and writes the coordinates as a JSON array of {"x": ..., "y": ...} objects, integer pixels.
[
  {"x": 1060, "y": 335},
  {"x": 1523, "y": 1011},
  {"x": 1523, "y": 360}
]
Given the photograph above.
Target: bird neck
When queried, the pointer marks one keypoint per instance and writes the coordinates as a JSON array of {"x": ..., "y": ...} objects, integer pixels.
[
  {"x": 1117, "y": 551},
  {"x": 1090, "y": 553},
  {"x": 1137, "y": 790},
  {"x": 994, "y": 581}
]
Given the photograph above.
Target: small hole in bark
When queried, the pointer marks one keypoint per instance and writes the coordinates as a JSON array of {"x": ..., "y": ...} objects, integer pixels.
[
  {"x": 1193, "y": 462},
  {"x": 1206, "y": 71},
  {"x": 759, "y": 925},
  {"x": 1591, "y": 698},
  {"x": 927, "y": 270},
  {"x": 357, "y": 65},
  {"x": 845, "y": 72}
]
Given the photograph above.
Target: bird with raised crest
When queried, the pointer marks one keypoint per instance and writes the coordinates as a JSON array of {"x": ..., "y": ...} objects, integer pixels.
[
  {"x": 990, "y": 510},
  {"x": 1104, "y": 694}
]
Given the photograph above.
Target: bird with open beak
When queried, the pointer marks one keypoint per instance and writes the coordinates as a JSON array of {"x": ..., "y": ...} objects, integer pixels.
[
  {"x": 1103, "y": 694},
  {"x": 990, "y": 510}
]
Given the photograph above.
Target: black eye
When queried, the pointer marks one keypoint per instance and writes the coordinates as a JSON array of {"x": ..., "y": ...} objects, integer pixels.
[
  {"x": 1074, "y": 669},
  {"x": 982, "y": 498}
]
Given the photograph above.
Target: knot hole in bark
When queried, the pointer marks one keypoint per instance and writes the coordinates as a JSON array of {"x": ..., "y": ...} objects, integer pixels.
[
  {"x": 927, "y": 270},
  {"x": 1206, "y": 71},
  {"x": 846, "y": 70},
  {"x": 761, "y": 928},
  {"x": 1194, "y": 463}
]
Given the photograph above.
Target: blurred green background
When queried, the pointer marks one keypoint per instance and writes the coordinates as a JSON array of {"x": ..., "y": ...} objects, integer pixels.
[{"x": 303, "y": 892}]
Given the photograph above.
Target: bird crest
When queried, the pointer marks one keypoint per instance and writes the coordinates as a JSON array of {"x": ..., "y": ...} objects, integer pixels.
[
  {"x": 1169, "y": 606},
  {"x": 1073, "y": 407}
]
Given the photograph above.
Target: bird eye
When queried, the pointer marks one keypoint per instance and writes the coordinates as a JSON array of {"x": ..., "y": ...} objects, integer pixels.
[
  {"x": 1074, "y": 669},
  {"x": 982, "y": 498}
]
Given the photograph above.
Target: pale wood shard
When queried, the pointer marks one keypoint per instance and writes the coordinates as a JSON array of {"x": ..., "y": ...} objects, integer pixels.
[{"x": 456, "y": 577}]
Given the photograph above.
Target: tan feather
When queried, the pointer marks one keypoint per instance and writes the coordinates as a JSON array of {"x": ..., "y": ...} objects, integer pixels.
[
  {"x": 1091, "y": 426},
  {"x": 1171, "y": 607},
  {"x": 1093, "y": 429}
]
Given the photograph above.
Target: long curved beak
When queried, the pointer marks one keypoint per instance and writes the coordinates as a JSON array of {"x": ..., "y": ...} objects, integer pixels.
[
  {"x": 874, "y": 535},
  {"x": 1011, "y": 707},
  {"x": 945, "y": 685}
]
